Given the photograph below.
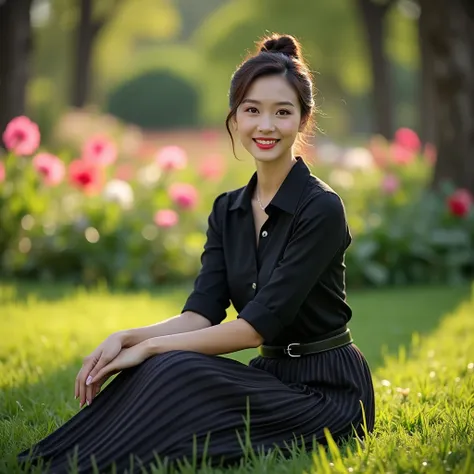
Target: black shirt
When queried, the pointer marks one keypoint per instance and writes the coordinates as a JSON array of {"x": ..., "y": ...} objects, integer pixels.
[{"x": 292, "y": 287}]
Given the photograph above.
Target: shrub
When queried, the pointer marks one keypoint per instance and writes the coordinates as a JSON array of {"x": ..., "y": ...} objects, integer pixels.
[{"x": 156, "y": 100}]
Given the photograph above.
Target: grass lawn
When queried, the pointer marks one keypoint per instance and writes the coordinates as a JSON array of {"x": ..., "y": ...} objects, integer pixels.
[{"x": 425, "y": 394}]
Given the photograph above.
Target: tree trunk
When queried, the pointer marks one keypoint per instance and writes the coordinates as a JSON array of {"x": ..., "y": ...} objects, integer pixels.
[
  {"x": 450, "y": 31},
  {"x": 15, "y": 41},
  {"x": 373, "y": 15},
  {"x": 86, "y": 32},
  {"x": 427, "y": 110}
]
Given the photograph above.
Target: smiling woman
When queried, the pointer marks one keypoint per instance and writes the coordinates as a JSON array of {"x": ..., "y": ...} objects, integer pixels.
[
  {"x": 268, "y": 86},
  {"x": 268, "y": 123},
  {"x": 281, "y": 264}
]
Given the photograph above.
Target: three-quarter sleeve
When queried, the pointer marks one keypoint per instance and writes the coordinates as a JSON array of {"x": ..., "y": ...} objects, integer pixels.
[
  {"x": 210, "y": 296},
  {"x": 319, "y": 234}
]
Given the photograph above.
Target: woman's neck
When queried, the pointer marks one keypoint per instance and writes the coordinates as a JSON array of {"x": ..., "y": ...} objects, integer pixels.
[{"x": 270, "y": 177}]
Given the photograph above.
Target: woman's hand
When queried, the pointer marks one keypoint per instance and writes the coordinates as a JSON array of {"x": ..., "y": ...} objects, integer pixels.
[
  {"x": 128, "y": 357},
  {"x": 94, "y": 362}
]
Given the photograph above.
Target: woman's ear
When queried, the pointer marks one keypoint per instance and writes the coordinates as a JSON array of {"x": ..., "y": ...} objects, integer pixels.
[{"x": 233, "y": 122}]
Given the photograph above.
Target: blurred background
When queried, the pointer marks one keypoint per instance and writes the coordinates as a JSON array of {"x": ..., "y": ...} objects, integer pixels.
[{"x": 114, "y": 146}]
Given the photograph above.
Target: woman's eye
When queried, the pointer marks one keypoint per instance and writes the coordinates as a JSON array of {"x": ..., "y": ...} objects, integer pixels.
[
  {"x": 284, "y": 112},
  {"x": 252, "y": 110}
]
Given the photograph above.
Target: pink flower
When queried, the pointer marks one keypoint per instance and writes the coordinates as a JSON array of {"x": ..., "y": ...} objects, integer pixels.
[
  {"x": 212, "y": 167},
  {"x": 378, "y": 146},
  {"x": 99, "y": 149},
  {"x": 401, "y": 155},
  {"x": 50, "y": 167},
  {"x": 2, "y": 172},
  {"x": 22, "y": 136},
  {"x": 171, "y": 158},
  {"x": 430, "y": 153},
  {"x": 124, "y": 172},
  {"x": 86, "y": 176},
  {"x": 408, "y": 139},
  {"x": 390, "y": 184},
  {"x": 460, "y": 202},
  {"x": 184, "y": 195},
  {"x": 166, "y": 218}
]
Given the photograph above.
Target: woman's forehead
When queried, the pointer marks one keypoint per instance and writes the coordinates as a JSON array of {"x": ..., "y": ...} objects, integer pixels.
[{"x": 271, "y": 89}]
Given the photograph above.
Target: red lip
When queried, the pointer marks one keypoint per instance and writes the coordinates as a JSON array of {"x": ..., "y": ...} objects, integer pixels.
[{"x": 266, "y": 147}]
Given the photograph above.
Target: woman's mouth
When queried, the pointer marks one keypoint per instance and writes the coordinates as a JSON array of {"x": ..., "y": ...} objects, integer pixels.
[{"x": 265, "y": 143}]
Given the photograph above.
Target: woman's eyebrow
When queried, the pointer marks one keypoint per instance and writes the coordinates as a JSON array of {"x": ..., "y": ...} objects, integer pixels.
[{"x": 253, "y": 101}]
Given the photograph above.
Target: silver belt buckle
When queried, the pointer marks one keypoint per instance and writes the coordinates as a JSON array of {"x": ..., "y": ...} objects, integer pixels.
[{"x": 288, "y": 349}]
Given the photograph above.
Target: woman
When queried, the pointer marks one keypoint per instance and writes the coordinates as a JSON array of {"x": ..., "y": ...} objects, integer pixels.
[{"x": 275, "y": 248}]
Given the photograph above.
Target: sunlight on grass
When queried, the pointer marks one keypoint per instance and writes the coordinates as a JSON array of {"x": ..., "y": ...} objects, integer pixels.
[{"x": 424, "y": 394}]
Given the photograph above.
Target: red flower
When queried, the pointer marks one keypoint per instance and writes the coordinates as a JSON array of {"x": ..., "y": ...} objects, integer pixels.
[
  {"x": 50, "y": 167},
  {"x": 184, "y": 195},
  {"x": 460, "y": 202},
  {"x": 22, "y": 136},
  {"x": 2, "y": 172},
  {"x": 166, "y": 218},
  {"x": 86, "y": 176},
  {"x": 171, "y": 158},
  {"x": 99, "y": 150},
  {"x": 408, "y": 139}
]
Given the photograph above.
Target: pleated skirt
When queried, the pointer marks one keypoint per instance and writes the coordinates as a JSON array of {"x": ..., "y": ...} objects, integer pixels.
[{"x": 181, "y": 403}]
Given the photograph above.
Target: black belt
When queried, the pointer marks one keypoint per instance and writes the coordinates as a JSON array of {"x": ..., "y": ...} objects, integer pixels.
[{"x": 295, "y": 349}]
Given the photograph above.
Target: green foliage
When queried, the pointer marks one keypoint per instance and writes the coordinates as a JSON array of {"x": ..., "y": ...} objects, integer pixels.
[
  {"x": 402, "y": 34},
  {"x": 424, "y": 395},
  {"x": 334, "y": 43},
  {"x": 194, "y": 13},
  {"x": 414, "y": 242},
  {"x": 136, "y": 26},
  {"x": 203, "y": 42},
  {"x": 156, "y": 99}
]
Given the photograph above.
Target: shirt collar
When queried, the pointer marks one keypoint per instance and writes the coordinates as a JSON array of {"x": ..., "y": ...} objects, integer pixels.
[{"x": 288, "y": 194}]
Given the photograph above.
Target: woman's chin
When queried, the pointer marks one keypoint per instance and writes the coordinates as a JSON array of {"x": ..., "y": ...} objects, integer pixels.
[{"x": 265, "y": 155}]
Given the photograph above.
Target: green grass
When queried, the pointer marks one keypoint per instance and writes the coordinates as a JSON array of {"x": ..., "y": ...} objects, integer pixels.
[{"x": 424, "y": 394}]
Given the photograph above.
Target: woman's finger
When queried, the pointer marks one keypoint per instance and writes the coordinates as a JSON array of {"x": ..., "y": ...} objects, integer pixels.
[
  {"x": 98, "y": 386},
  {"x": 90, "y": 386},
  {"x": 105, "y": 372},
  {"x": 87, "y": 366},
  {"x": 102, "y": 362}
]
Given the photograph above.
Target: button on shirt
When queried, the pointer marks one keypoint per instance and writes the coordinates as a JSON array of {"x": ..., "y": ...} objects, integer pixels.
[{"x": 291, "y": 286}]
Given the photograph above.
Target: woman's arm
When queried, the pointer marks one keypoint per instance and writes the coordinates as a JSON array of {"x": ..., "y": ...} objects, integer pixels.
[
  {"x": 219, "y": 339},
  {"x": 215, "y": 340},
  {"x": 185, "y": 322}
]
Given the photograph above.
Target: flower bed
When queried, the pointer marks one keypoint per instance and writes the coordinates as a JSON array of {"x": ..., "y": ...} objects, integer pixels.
[{"x": 108, "y": 206}]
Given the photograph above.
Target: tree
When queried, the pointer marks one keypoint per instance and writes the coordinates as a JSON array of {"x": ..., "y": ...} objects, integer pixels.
[
  {"x": 449, "y": 31},
  {"x": 373, "y": 16},
  {"x": 16, "y": 45},
  {"x": 427, "y": 107},
  {"x": 87, "y": 30}
]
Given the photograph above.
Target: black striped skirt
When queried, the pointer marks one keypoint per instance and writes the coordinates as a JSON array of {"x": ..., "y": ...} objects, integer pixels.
[{"x": 179, "y": 403}]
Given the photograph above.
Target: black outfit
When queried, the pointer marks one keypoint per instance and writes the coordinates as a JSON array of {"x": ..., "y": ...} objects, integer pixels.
[{"x": 290, "y": 289}]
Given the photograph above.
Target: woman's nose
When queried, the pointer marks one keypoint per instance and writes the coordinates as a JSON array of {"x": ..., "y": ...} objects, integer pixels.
[{"x": 266, "y": 125}]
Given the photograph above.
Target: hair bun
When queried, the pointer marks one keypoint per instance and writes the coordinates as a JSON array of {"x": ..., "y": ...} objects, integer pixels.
[{"x": 285, "y": 44}]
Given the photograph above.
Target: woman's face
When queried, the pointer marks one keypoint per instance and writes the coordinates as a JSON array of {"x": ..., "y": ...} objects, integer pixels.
[{"x": 268, "y": 119}]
